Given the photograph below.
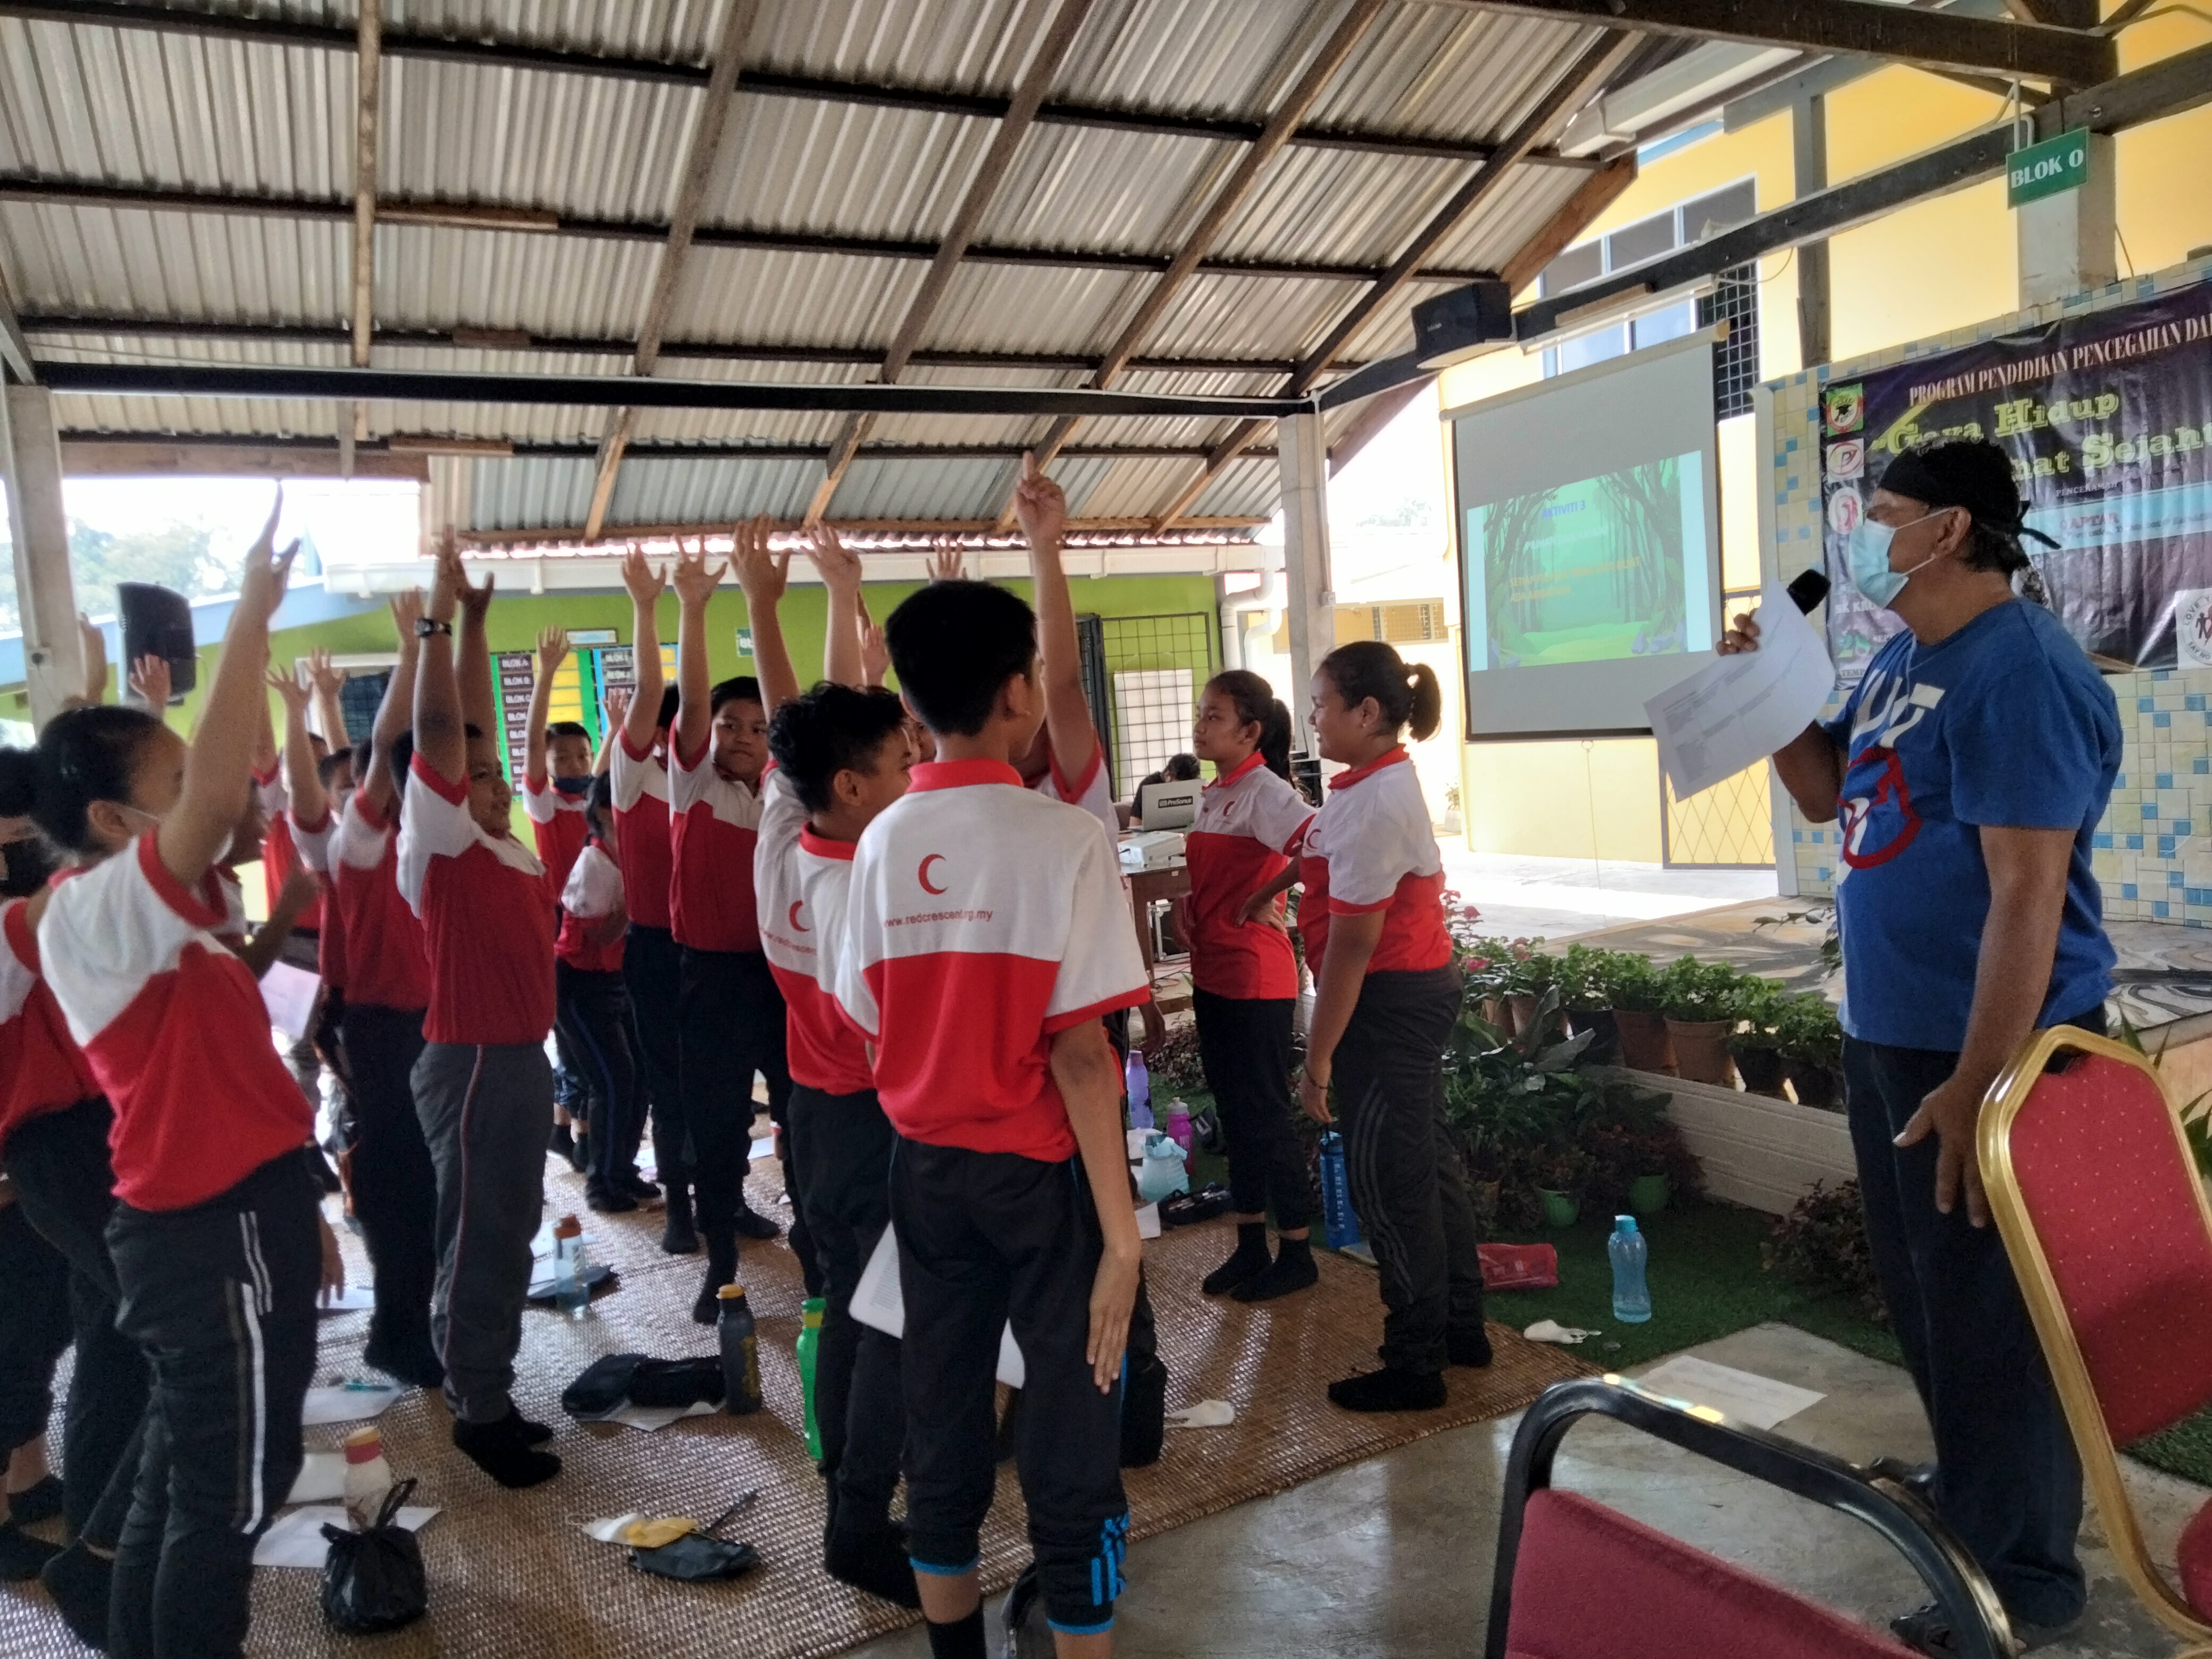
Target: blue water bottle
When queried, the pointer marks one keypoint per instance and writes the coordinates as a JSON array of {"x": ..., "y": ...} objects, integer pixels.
[
  {"x": 1339, "y": 1224},
  {"x": 1629, "y": 1248}
]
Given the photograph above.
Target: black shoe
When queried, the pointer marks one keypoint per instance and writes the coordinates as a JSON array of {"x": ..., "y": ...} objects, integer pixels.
[
  {"x": 1471, "y": 1350},
  {"x": 579, "y": 1157},
  {"x": 873, "y": 1559},
  {"x": 1246, "y": 1262},
  {"x": 79, "y": 1582},
  {"x": 529, "y": 1433},
  {"x": 42, "y": 1502},
  {"x": 605, "y": 1199},
  {"x": 1293, "y": 1270},
  {"x": 721, "y": 1269},
  {"x": 412, "y": 1361},
  {"x": 563, "y": 1144},
  {"x": 22, "y": 1556},
  {"x": 499, "y": 1451},
  {"x": 638, "y": 1188},
  {"x": 1389, "y": 1390},
  {"x": 1028, "y": 1635},
  {"x": 677, "y": 1236},
  {"x": 751, "y": 1223}
]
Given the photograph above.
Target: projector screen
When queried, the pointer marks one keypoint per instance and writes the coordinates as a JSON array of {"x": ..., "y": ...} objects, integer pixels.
[{"x": 1589, "y": 543}]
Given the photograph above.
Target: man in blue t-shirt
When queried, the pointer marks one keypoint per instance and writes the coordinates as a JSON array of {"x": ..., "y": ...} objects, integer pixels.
[{"x": 1967, "y": 771}]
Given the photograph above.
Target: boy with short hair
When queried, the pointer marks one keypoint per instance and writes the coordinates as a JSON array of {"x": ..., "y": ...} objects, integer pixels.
[{"x": 972, "y": 892}]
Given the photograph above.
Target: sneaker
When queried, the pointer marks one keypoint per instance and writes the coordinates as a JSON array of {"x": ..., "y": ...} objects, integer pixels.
[
  {"x": 751, "y": 1223},
  {"x": 1389, "y": 1390},
  {"x": 1027, "y": 1631}
]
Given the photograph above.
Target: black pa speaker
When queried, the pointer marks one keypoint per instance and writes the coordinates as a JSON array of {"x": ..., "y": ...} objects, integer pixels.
[
  {"x": 1465, "y": 318},
  {"x": 157, "y": 621}
]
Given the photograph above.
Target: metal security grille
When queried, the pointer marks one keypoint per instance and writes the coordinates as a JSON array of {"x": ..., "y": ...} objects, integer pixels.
[
  {"x": 1155, "y": 666},
  {"x": 1727, "y": 826},
  {"x": 1735, "y": 301},
  {"x": 358, "y": 699}
]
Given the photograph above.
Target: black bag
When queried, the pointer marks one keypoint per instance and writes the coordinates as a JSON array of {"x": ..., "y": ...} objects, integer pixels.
[
  {"x": 602, "y": 1387},
  {"x": 678, "y": 1382},
  {"x": 374, "y": 1581},
  {"x": 696, "y": 1559}
]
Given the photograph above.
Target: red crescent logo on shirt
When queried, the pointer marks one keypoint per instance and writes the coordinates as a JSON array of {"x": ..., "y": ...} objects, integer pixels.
[
  {"x": 797, "y": 925},
  {"x": 922, "y": 874}
]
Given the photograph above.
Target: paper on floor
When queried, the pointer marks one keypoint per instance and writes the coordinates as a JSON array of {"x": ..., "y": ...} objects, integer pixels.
[
  {"x": 343, "y": 1405},
  {"x": 652, "y": 1418},
  {"x": 322, "y": 1480},
  {"x": 877, "y": 1302},
  {"x": 296, "y": 1540},
  {"x": 1148, "y": 1221},
  {"x": 1760, "y": 1402},
  {"x": 355, "y": 1298},
  {"x": 1206, "y": 1414}
]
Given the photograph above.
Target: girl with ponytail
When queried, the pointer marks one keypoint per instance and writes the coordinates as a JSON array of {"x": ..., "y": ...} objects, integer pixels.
[
  {"x": 217, "y": 1236},
  {"x": 1387, "y": 996},
  {"x": 1244, "y": 978}
]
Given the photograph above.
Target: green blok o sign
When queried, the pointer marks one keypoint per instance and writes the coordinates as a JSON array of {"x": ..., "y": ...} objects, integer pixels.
[{"x": 2050, "y": 168}]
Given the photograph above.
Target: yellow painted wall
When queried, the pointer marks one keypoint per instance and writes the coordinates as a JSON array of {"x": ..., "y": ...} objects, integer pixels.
[
  {"x": 2164, "y": 201},
  {"x": 1569, "y": 800}
]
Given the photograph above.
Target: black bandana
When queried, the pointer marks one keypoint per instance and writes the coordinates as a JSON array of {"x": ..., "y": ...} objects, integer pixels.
[{"x": 1975, "y": 476}]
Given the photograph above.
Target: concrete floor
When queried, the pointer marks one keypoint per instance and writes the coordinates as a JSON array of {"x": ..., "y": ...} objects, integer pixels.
[
  {"x": 1557, "y": 898},
  {"x": 1392, "y": 1556}
]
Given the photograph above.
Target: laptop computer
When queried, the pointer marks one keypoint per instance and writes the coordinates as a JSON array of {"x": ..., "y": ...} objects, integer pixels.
[{"x": 1169, "y": 805}]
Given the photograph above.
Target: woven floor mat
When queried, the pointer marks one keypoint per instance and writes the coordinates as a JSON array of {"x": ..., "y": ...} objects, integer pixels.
[{"x": 511, "y": 1574}]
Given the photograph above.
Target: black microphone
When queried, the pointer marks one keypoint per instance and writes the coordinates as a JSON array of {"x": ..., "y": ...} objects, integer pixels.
[{"x": 1808, "y": 590}]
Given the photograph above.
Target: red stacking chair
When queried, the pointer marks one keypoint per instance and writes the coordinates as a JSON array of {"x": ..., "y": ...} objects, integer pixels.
[
  {"x": 1576, "y": 1580},
  {"x": 2092, "y": 1183}
]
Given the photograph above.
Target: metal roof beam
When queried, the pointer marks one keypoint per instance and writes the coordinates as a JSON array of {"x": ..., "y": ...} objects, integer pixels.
[
  {"x": 1191, "y": 532},
  {"x": 990, "y": 174},
  {"x": 461, "y": 215},
  {"x": 368, "y": 77},
  {"x": 406, "y": 452},
  {"x": 611, "y": 392},
  {"x": 15, "y": 349},
  {"x": 518, "y": 55},
  {"x": 700, "y": 156},
  {"x": 1901, "y": 33}
]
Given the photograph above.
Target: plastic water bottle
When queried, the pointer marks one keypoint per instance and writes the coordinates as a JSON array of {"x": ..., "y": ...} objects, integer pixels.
[
  {"x": 1340, "y": 1225},
  {"x": 570, "y": 1293},
  {"x": 740, "y": 1354},
  {"x": 367, "y": 1477},
  {"x": 1179, "y": 1130},
  {"x": 810, "y": 1348},
  {"x": 1139, "y": 1083},
  {"x": 1629, "y": 1248}
]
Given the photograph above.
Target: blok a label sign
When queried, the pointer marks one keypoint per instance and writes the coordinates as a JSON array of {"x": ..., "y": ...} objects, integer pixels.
[{"x": 2050, "y": 168}]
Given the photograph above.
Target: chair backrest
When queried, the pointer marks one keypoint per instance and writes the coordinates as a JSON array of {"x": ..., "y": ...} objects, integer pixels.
[
  {"x": 2121, "y": 1228},
  {"x": 1591, "y": 1584}
]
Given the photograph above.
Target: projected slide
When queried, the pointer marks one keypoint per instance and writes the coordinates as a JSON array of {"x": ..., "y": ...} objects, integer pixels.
[{"x": 1590, "y": 572}]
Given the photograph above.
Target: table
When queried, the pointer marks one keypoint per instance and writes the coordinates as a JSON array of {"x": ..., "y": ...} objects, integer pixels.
[{"x": 1150, "y": 887}]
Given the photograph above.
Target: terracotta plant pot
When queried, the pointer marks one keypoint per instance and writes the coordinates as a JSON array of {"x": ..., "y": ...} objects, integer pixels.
[
  {"x": 1644, "y": 1042},
  {"x": 1701, "y": 1051},
  {"x": 1560, "y": 1209},
  {"x": 1760, "y": 1069},
  {"x": 1522, "y": 1007},
  {"x": 1495, "y": 1013},
  {"x": 1647, "y": 1194},
  {"x": 1814, "y": 1086},
  {"x": 1605, "y": 1046}
]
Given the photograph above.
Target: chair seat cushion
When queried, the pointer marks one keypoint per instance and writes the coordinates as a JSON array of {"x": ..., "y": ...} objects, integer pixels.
[{"x": 2195, "y": 1559}]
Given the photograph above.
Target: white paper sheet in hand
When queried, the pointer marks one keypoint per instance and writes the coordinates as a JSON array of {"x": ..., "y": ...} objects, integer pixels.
[
  {"x": 1739, "y": 710},
  {"x": 877, "y": 1302},
  {"x": 289, "y": 994},
  {"x": 296, "y": 1540},
  {"x": 1760, "y": 1402}
]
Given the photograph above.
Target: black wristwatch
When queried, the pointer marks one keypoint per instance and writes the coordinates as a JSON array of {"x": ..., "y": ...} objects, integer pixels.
[{"x": 426, "y": 625}]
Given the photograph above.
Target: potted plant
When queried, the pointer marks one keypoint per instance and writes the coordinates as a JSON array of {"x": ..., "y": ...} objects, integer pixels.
[
  {"x": 1563, "y": 1177},
  {"x": 1758, "y": 1061},
  {"x": 1811, "y": 1041},
  {"x": 1532, "y": 973},
  {"x": 1631, "y": 991},
  {"x": 1699, "y": 1000},
  {"x": 1583, "y": 998}
]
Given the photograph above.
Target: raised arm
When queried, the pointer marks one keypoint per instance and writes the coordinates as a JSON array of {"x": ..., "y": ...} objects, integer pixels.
[
  {"x": 552, "y": 652},
  {"x": 396, "y": 712},
  {"x": 439, "y": 742},
  {"x": 328, "y": 684},
  {"x": 695, "y": 581},
  {"x": 264, "y": 740},
  {"x": 219, "y": 765},
  {"x": 840, "y": 570},
  {"x": 875, "y": 653},
  {"x": 611, "y": 729},
  {"x": 149, "y": 682},
  {"x": 645, "y": 586},
  {"x": 472, "y": 652},
  {"x": 763, "y": 575},
  {"x": 309, "y": 804},
  {"x": 1043, "y": 509}
]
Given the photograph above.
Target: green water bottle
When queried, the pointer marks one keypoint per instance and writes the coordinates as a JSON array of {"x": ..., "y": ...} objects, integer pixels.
[{"x": 810, "y": 1346}]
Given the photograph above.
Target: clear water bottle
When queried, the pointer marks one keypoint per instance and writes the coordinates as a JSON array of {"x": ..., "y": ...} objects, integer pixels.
[
  {"x": 1629, "y": 1248},
  {"x": 1139, "y": 1082},
  {"x": 570, "y": 1293},
  {"x": 367, "y": 1477}
]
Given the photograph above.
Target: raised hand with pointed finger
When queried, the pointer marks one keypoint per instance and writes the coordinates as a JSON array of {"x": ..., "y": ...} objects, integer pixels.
[{"x": 1040, "y": 505}]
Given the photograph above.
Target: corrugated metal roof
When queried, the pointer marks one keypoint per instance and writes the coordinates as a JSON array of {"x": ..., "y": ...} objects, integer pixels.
[{"x": 174, "y": 111}]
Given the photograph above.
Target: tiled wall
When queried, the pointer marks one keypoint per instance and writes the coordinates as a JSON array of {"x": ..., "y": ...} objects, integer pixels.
[{"x": 2153, "y": 849}]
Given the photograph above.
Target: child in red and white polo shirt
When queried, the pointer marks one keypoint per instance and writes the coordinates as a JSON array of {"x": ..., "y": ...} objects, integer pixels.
[
  {"x": 1386, "y": 998},
  {"x": 1244, "y": 978},
  {"x": 974, "y": 896},
  {"x": 593, "y": 1008},
  {"x": 840, "y": 755},
  {"x": 482, "y": 1085},
  {"x": 217, "y": 1237},
  {"x": 652, "y": 963}
]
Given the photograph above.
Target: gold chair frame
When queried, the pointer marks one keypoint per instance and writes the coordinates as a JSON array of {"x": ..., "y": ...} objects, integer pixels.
[{"x": 2077, "y": 1394}]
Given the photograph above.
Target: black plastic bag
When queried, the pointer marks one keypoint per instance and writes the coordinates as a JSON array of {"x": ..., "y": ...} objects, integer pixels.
[
  {"x": 678, "y": 1382},
  {"x": 696, "y": 1559},
  {"x": 602, "y": 1387},
  {"x": 374, "y": 1581}
]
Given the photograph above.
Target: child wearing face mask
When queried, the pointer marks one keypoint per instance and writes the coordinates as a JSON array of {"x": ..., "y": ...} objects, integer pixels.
[
  {"x": 482, "y": 1085},
  {"x": 218, "y": 1242}
]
